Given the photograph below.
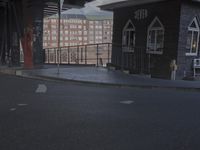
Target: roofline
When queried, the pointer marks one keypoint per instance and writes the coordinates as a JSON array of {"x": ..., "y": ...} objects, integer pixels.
[
  {"x": 51, "y": 6},
  {"x": 112, "y": 6}
]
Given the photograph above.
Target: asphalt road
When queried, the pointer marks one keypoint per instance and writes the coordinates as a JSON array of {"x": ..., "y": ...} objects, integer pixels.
[{"x": 46, "y": 115}]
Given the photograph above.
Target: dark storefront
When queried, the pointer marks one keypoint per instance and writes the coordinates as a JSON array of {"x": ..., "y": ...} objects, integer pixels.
[{"x": 148, "y": 37}]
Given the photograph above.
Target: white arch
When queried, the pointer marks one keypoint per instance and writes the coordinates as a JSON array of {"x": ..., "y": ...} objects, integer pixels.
[
  {"x": 155, "y": 47},
  {"x": 153, "y": 22},
  {"x": 195, "y": 20},
  {"x": 127, "y": 24},
  {"x": 128, "y": 37}
]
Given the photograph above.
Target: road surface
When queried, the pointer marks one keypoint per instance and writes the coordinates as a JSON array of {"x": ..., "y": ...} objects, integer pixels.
[{"x": 48, "y": 115}]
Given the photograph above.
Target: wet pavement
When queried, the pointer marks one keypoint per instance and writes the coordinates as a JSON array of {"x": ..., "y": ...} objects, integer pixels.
[
  {"x": 105, "y": 76},
  {"x": 46, "y": 115}
]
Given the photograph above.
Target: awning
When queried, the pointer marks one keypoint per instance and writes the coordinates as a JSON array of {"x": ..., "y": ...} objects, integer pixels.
[
  {"x": 112, "y": 6},
  {"x": 51, "y": 6}
]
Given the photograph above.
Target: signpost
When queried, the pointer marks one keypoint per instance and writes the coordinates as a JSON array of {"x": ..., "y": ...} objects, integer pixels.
[{"x": 60, "y": 4}]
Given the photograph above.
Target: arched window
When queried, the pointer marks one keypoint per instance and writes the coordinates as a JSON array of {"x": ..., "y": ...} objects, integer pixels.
[
  {"x": 192, "y": 38},
  {"x": 155, "y": 37},
  {"x": 128, "y": 41}
]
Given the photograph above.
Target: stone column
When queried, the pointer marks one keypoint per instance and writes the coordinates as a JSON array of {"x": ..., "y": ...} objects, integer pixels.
[
  {"x": 32, "y": 38},
  {"x": 14, "y": 36},
  {"x": 37, "y": 25}
]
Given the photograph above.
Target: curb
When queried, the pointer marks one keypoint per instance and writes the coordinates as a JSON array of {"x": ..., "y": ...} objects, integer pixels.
[
  {"x": 19, "y": 73},
  {"x": 47, "y": 78}
]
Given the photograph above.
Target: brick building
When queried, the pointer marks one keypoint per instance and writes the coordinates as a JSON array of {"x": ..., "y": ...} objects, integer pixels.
[
  {"x": 149, "y": 34},
  {"x": 77, "y": 29}
]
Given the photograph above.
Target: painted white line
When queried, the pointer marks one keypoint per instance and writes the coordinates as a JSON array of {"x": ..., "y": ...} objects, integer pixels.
[
  {"x": 127, "y": 102},
  {"x": 22, "y": 105},
  {"x": 42, "y": 88},
  {"x": 13, "y": 109}
]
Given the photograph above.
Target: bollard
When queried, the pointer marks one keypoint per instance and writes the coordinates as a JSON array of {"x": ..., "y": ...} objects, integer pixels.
[{"x": 173, "y": 67}]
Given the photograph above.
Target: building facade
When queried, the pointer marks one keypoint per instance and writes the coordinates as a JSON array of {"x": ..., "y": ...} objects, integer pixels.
[
  {"x": 156, "y": 37},
  {"x": 77, "y": 30}
]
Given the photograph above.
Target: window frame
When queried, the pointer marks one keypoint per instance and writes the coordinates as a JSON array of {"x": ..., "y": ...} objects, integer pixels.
[
  {"x": 128, "y": 48},
  {"x": 156, "y": 29},
  {"x": 193, "y": 30}
]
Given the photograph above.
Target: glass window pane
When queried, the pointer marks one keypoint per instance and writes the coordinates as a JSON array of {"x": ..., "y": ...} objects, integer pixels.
[
  {"x": 132, "y": 34},
  {"x": 194, "y": 42},
  {"x": 151, "y": 40},
  {"x": 124, "y": 39},
  {"x": 156, "y": 36},
  {"x": 160, "y": 39},
  {"x": 152, "y": 36},
  {"x": 189, "y": 40},
  {"x": 127, "y": 38}
]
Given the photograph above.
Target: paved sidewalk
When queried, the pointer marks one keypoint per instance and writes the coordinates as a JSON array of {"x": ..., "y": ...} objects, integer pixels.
[{"x": 98, "y": 75}]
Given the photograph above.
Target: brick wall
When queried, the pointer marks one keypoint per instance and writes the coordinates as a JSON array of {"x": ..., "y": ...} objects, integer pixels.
[{"x": 188, "y": 12}]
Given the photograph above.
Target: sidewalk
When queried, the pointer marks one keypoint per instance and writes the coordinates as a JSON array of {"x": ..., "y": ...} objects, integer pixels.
[{"x": 104, "y": 76}]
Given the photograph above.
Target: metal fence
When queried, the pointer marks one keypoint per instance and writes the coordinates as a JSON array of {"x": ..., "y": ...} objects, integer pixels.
[
  {"x": 136, "y": 60},
  {"x": 97, "y": 54}
]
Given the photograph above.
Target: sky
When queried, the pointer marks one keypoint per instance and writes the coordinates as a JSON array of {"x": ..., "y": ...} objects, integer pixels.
[{"x": 92, "y": 9}]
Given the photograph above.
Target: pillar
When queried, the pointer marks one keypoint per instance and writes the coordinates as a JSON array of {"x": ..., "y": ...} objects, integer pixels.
[
  {"x": 32, "y": 39},
  {"x": 37, "y": 43}
]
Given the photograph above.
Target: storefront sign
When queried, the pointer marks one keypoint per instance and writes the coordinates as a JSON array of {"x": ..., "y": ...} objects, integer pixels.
[{"x": 141, "y": 14}]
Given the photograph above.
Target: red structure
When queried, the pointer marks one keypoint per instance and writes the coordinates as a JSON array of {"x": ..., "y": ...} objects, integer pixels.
[
  {"x": 26, "y": 41},
  {"x": 23, "y": 21}
]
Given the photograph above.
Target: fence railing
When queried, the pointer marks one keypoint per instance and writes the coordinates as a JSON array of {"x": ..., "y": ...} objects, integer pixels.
[
  {"x": 97, "y": 54},
  {"x": 136, "y": 59}
]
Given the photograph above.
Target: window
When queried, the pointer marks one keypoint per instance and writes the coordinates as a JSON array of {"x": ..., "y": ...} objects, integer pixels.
[
  {"x": 44, "y": 44},
  {"x": 155, "y": 38},
  {"x": 192, "y": 38},
  {"x": 66, "y": 38},
  {"x": 54, "y": 32},
  {"x": 85, "y": 38},
  {"x": 54, "y": 38},
  {"x": 80, "y": 32},
  {"x": 128, "y": 41}
]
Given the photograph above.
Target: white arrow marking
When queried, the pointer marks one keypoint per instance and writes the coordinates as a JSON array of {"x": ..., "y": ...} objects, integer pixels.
[
  {"x": 42, "y": 88},
  {"x": 13, "y": 109},
  {"x": 127, "y": 102}
]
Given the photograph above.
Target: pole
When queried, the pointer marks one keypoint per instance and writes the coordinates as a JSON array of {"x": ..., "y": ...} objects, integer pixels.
[
  {"x": 10, "y": 35},
  {"x": 58, "y": 51},
  {"x": 97, "y": 55},
  {"x": 85, "y": 54},
  {"x": 108, "y": 52}
]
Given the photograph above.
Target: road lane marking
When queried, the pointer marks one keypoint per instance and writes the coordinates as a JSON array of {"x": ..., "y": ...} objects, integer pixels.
[
  {"x": 13, "y": 109},
  {"x": 42, "y": 88},
  {"x": 22, "y": 104},
  {"x": 127, "y": 102}
]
